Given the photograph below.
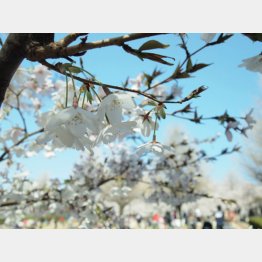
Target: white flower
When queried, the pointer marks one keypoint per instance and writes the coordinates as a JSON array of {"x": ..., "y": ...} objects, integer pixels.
[
  {"x": 112, "y": 106},
  {"x": 30, "y": 153},
  {"x": 42, "y": 182},
  {"x": 137, "y": 82},
  {"x": 21, "y": 175},
  {"x": 19, "y": 151},
  {"x": 144, "y": 122},
  {"x": 49, "y": 152},
  {"x": 111, "y": 133},
  {"x": 120, "y": 191},
  {"x": 249, "y": 119},
  {"x": 233, "y": 125},
  {"x": 153, "y": 147},
  {"x": 70, "y": 128},
  {"x": 253, "y": 64},
  {"x": 36, "y": 103},
  {"x": 176, "y": 91},
  {"x": 160, "y": 91},
  {"x": 41, "y": 74},
  {"x": 14, "y": 134},
  {"x": 207, "y": 37}
]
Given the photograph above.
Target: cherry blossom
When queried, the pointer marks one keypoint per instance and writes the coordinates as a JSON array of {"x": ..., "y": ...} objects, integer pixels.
[
  {"x": 42, "y": 75},
  {"x": 112, "y": 106},
  {"x": 153, "y": 147},
  {"x": 70, "y": 127},
  {"x": 120, "y": 191},
  {"x": 233, "y": 125},
  {"x": 249, "y": 119},
  {"x": 137, "y": 82},
  {"x": 144, "y": 122},
  {"x": 253, "y": 64},
  {"x": 207, "y": 37},
  {"x": 176, "y": 91},
  {"x": 118, "y": 131}
]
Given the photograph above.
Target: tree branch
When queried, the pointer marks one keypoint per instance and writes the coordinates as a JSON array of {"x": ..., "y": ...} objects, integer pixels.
[
  {"x": 56, "y": 51},
  {"x": 11, "y": 55},
  {"x": 87, "y": 81},
  {"x": 26, "y": 136},
  {"x": 70, "y": 38}
]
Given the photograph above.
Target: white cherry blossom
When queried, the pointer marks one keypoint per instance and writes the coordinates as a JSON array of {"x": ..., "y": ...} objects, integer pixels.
[
  {"x": 112, "y": 106},
  {"x": 70, "y": 128},
  {"x": 153, "y": 147},
  {"x": 249, "y": 119},
  {"x": 176, "y": 91},
  {"x": 207, "y": 37},
  {"x": 137, "y": 82},
  {"x": 233, "y": 125},
  {"x": 145, "y": 123},
  {"x": 253, "y": 64},
  {"x": 41, "y": 74},
  {"x": 112, "y": 132}
]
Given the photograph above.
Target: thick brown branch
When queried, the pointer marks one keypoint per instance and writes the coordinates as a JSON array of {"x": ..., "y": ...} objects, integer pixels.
[
  {"x": 13, "y": 52},
  {"x": 55, "y": 51},
  {"x": 11, "y": 56}
]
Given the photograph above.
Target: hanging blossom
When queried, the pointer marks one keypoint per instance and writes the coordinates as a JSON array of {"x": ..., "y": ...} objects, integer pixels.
[
  {"x": 231, "y": 125},
  {"x": 118, "y": 131},
  {"x": 153, "y": 147},
  {"x": 112, "y": 107},
  {"x": 249, "y": 119},
  {"x": 145, "y": 123},
  {"x": 253, "y": 64},
  {"x": 70, "y": 128},
  {"x": 207, "y": 37}
]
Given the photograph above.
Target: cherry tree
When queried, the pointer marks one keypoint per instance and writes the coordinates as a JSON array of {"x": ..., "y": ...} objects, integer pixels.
[{"x": 85, "y": 114}]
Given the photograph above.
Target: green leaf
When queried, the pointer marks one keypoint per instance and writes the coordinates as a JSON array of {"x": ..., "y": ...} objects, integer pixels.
[
  {"x": 152, "y": 103},
  {"x": 152, "y": 44},
  {"x": 89, "y": 97},
  {"x": 74, "y": 69},
  {"x": 162, "y": 113}
]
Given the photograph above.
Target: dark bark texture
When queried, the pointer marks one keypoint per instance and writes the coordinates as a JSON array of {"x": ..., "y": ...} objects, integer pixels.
[{"x": 13, "y": 52}]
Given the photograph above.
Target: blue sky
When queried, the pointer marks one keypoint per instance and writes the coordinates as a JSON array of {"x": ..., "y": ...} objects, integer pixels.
[{"x": 229, "y": 87}]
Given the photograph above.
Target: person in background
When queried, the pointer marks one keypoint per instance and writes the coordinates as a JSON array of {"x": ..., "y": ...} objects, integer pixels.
[
  {"x": 207, "y": 224},
  {"x": 168, "y": 218},
  {"x": 219, "y": 215}
]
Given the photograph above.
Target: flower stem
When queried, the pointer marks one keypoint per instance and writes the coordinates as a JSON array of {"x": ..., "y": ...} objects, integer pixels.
[
  {"x": 154, "y": 134},
  {"x": 93, "y": 89},
  {"x": 73, "y": 82},
  {"x": 83, "y": 100},
  {"x": 78, "y": 96},
  {"x": 66, "y": 92}
]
